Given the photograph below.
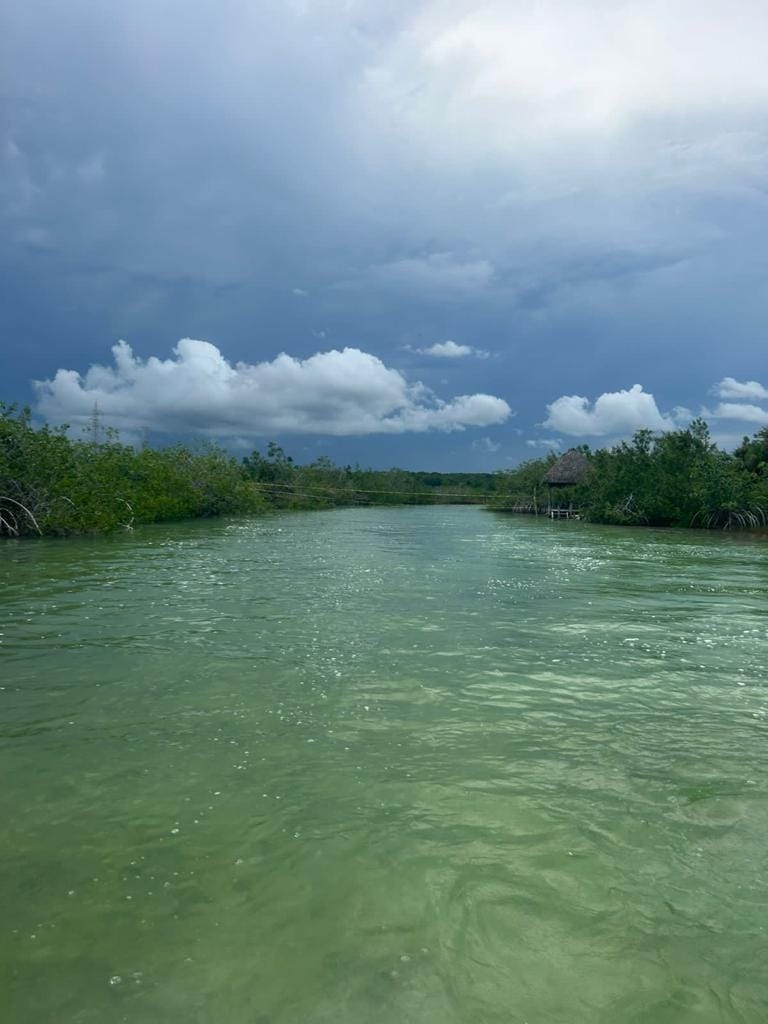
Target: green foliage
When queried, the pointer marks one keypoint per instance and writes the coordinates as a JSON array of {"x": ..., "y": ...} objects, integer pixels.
[
  {"x": 752, "y": 458},
  {"x": 54, "y": 485},
  {"x": 51, "y": 484},
  {"x": 678, "y": 478},
  {"x": 522, "y": 487},
  {"x": 321, "y": 484}
]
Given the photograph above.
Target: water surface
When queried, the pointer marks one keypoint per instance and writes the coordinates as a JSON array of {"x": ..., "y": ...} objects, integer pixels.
[{"x": 383, "y": 766}]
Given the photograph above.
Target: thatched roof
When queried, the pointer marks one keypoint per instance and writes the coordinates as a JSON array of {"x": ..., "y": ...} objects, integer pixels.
[{"x": 568, "y": 470}]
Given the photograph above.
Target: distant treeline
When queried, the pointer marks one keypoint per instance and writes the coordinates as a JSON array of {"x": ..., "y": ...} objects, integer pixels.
[
  {"x": 53, "y": 485},
  {"x": 678, "y": 478}
]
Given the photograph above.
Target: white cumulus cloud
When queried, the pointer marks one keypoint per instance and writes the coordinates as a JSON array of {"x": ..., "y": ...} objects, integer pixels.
[
  {"x": 745, "y": 412},
  {"x": 738, "y": 389},
  {"x": 198, "y": 391},
  {"x": 452, "y": 350},
  {"x": 613, "y": 413}
]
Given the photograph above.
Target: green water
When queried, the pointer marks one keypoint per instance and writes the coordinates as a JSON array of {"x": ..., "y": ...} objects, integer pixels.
[{"x": 384, "y": 766}]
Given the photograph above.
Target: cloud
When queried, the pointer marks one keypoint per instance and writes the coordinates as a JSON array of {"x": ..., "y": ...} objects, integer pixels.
[
  {"x": 92, "y": 170},
  {"x": 727, "y": 440},
  {"x": 682, "y": 415},
  {"x": 299, "y": 292},
  {"x": 485, "y": 445},
  {"x": 613, "y": 413},
  {"x": 197, "y": 391},
  {"x": 542, "y": 442},
  {"x": 592, "y": 175},
  {"x": 450, "y": 350},
  {"x": 744, "y": 412},
  {"x": 730, "y": 388},
  {"x": 506, "y": 72},
  {"x": 437, "y": 272},
  {"x": 554, "y": 136},
  {"x": 35, "y": 237}
]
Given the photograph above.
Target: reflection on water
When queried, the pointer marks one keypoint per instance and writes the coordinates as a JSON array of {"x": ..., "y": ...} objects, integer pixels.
[{"x": 384, "y": 766}]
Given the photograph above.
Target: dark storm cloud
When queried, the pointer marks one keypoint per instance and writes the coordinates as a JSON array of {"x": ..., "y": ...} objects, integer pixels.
[{"x": 577, "y": 190}]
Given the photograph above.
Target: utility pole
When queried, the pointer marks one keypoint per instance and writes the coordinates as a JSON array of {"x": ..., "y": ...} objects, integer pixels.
[{"x": 96, "y": 425}]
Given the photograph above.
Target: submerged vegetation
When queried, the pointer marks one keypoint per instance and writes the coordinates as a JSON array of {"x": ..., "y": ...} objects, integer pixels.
[
  {"x": 53, "y": 485},
  {"x": 677, "y": 478}
]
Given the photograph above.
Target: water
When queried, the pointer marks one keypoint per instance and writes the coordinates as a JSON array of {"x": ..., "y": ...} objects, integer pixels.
[{"x": 384, "y": 766}]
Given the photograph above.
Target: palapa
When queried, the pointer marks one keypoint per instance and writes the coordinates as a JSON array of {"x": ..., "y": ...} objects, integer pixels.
[{"x": 568, "y": 470}]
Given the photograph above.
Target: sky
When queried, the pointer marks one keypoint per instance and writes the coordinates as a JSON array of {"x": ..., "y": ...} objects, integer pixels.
[{"x": 436, "y": 234}]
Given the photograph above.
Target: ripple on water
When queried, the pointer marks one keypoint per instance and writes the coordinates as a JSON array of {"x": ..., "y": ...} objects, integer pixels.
[{"x": 397, "y": 765}]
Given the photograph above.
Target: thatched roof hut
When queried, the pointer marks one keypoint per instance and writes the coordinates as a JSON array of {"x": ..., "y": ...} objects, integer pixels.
[{"x": 568, "y": 470}]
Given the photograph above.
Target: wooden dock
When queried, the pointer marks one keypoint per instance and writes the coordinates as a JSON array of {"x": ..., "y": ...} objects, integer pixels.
[
  {"x": 529, "y": 509},
  {"x": 563, "y": 513}
]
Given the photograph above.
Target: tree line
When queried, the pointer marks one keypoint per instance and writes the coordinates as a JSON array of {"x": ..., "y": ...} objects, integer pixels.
[
  {"x": 52, "y": 484},
  {"x": 676, "y": 478}
]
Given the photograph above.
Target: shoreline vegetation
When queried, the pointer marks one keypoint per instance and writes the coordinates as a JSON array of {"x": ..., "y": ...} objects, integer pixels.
[
  {"x": 676, "y": 478},
  {"x": 54, "y": 485}
]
